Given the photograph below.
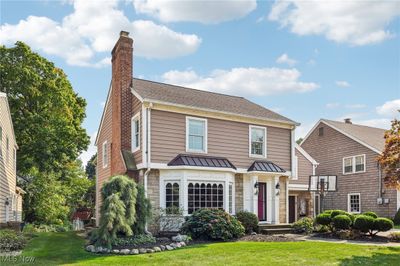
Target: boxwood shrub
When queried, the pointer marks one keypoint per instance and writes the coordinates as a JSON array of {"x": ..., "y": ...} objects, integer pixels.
[
  {"x": 383, "y": 224},
  {"x": 335, "y": 213},
  {"x": 212, "y": 224},
  {"x": 364, "y": 223},
  {"x": 249, "y": 221},
  {"x": 323, "y": 219},
  {"x": 372, "y": 214},
  {"x": 341, "y": 222},
  {"x": 304, "y": 225}
]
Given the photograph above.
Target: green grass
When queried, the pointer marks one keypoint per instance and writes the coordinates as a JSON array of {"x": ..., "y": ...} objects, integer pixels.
[
  {"x": 67, "y": 249},
  {"x": 397, "y": 226}
]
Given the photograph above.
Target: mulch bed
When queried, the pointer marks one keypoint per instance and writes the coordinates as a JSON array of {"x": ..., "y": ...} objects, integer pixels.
[
  {"x": 160, "y": 241},
  {"x": 365, "y": 238}
]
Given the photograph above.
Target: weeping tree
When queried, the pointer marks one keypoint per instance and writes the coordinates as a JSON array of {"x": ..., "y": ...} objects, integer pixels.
[
  {"x": 118, "y": 211},
  {"x": 143, "y": 211}
]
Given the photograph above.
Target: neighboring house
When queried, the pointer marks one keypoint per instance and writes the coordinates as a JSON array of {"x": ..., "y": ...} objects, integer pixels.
[
  {"x": 191, "y": 148},
  {"x": 301, "y": 200},
  {"x": 10, "y": 194},
  {"x": 350, "y": 151}
]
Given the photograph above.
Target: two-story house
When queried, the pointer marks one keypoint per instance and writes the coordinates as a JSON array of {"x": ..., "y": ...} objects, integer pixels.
[
  {"x": 350, "y": 152},
  {"x": 194, "y": 149},
  {"x": 10, "y": 194}
]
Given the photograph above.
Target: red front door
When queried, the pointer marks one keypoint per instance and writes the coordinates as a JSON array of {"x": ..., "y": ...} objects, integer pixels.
[{"x": 262, "y": 201}]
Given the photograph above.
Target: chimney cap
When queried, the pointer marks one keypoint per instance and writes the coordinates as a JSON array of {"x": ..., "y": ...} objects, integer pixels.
[
  {"x": 348, "y": 121},
  {"x": 124, "y": 33}
]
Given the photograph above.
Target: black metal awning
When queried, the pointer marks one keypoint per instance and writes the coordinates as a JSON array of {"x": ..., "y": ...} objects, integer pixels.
[
  {"x": 201, "y": 161},
  {"x": 265, "y": 166}
]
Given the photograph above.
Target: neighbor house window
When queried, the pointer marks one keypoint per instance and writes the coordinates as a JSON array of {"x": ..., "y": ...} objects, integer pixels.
[
  {"x": 196, "y": 135},
  {"x": 172, "y": 197},
  {"x": 320, "y": 131},
  {"x": 354, "y": 202},
  {"x": 354, "y": 164},
  {"x": 135, "y": 133},
  {"x": 205, "y": 195},
  {"x": 105, "y": 154},
  {"x": 258, "y": 141}
]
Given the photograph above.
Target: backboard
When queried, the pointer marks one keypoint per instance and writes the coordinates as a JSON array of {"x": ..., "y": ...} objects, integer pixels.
[{"x": 322, "y": 183}]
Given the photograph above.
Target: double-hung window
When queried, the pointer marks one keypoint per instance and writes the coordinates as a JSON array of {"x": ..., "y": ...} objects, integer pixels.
[
  {"x": 354, "y": 202},
  {"x": 105, "y": 154},
  {"x": 257, "y": 141},
  {"x": 135, "y": 133},
  {"x": 196, "y": 135},
  {"x": 354, "y": 164}
]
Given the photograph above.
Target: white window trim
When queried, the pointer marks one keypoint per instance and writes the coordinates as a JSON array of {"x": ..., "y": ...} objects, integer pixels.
[
  {"x": 134, "y": 118},
  {"x": 205, "y": 144},
  {"x": 353, "y": 166},
  {"x": 348, "y": 202},
  {"x": 265, "y": 142},
  {"x": 296, "y": 168},
  {"x": 104, "y": 150}
]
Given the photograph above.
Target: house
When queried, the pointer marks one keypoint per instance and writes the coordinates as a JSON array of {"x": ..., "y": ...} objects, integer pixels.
[
  {"x": 302, "y": 202},
  {"x": 191, "y": 148},
  {"x": 350, "y": 152},
  {"x": 10, "y": 194}
]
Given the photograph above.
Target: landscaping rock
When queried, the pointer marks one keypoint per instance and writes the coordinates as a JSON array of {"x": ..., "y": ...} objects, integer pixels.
[
  {"x": 99, "y": 249},
  {"x": 179, "y": 238},
  {"x": 162, "y": 247},
  {"x": 134, "y": 251},
  {"x": 168, "y": 247},
  {"x": 163, "y": 239},
  {"x": 183, "y": 244},
  {"x": 115, "y": 251},
  {"x": 125, "y": 251},
  {"x": 90, "y": 248},
  {"x": 149, "y": 250},
  {"x": 157, "y": 249},
  {"x": 178, "y": 245},
  {"x": 253, "y": 233},
  {"x": 142, "y": 251}
]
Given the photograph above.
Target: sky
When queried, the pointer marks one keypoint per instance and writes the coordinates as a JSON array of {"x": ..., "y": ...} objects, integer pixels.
[{"x": 303, "y": 59}]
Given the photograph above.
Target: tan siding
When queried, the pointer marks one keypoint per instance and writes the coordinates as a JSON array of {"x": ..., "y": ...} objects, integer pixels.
[
  {"x": 328, "y": 150},
  {"x": 8, "y": 177},
  {"x": 137, "y": 108},
  {"x": 305, "y": 169},
  {"x": 225, "y": 138}
]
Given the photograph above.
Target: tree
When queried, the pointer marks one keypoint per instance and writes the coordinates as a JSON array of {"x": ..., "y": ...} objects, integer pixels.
[
  {"x": 91, "y": 167},
  {"x": 390, "y": 157},
  {"x": 299, "y": 141},
  {"x": 47, "y": 114}
]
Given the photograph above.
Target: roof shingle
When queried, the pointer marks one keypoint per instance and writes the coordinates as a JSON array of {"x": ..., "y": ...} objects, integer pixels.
[{"x": 150, "y": 90}]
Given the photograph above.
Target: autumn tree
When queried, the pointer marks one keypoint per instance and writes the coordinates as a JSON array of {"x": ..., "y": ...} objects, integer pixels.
[{"x": 390, "y": 157}]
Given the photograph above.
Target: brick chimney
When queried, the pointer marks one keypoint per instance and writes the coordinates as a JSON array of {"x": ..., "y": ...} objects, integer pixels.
[
  {"x": 348, "y": 121},
  {"x": 122, "y": 71}
]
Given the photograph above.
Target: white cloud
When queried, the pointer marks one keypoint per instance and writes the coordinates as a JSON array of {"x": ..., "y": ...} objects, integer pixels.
[
  {"x": 243, "y": 81},
  {"x": 389, "y": 108},
  {"x": 207, "y": 12},
  {"x": 303, "y": 129},
  {"x": 332, "y": 105},
  {"x": 86, "y": 155},
  {"x": 342, "y": 83},
  {"x": 352, "y": 22},
  {"x": 351, "y": 116},
  {"x": 93, "y": 28},
  {"x": 285, "y": 59}
]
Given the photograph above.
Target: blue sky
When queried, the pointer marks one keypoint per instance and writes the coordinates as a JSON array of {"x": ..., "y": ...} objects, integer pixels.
[{"x": 304, "y": 60}]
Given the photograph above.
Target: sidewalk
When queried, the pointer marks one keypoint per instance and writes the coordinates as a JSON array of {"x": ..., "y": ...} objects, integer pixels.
[{"x": 356, "y": 242}]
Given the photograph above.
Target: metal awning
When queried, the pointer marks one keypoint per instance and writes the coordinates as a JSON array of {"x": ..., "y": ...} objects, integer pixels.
[
  {"x": 265, "y": 166},
  {"x": 129, "y": 160},
  {"x": 201, "y": 161}
]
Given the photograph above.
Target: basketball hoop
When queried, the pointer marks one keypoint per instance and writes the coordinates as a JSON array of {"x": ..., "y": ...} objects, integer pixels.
[{"x": 322, "y": 184}]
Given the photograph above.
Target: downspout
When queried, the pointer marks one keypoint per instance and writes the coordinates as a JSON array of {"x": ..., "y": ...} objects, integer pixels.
[
  {"x": 380, "y": 182},
  {"x": 148, "y": 164}
]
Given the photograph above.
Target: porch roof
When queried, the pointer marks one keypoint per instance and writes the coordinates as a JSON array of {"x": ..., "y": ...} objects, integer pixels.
[
  {"x": 201, "y": 161},
  {"x": 265, "y": 166}
]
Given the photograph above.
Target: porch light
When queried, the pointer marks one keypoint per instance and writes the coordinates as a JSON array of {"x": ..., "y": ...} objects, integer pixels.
[
  {"x": 7, "y": 202},
  {"x": 256, "y": 188},
  {"x": 278, "y": 189}
]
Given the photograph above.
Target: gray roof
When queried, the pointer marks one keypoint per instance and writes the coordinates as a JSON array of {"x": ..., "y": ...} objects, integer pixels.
[
  {"x": 200, "y": 160},
  {"x": 171, "y": 94},
  {"x": 371, "y": 136},
  {"x": 265, "y": 166}
]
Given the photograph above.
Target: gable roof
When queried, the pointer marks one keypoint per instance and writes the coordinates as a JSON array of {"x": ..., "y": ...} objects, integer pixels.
[
  {"x": 370, "y": 137},
  {"x": 305, "y": 154},
  {"x": 176, "y": 95}
]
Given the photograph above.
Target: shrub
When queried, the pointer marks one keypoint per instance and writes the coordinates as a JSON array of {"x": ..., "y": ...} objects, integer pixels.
[
  {"x": 335, "y": 213},
  {"x": 396, "y": 218},
  {"x": 364, "y": 223},
  {"x": 30, "y": 229},
  {"x": 134, "y": 241},
  {"x": 328, "y": 211},
  {"x": 341, "y": 222},
  {"x": 372, "y": 214},
  {"x": 143, "y": 211},
  {"x": 11, "y": 240},
  {"x": 249, "y": 221},
  {"x": 212, "y": 224},
  {"x": 395, "y": 236},
  {"x": 304, "y": 225},
  {"x": 323, "y": 219},
  {"x": 383, "y": 224}
]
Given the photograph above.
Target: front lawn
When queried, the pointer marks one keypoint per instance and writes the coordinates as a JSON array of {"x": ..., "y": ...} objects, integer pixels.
[
  {"x": 67, "y": 249},
  {"x": 397, "y": 226}
]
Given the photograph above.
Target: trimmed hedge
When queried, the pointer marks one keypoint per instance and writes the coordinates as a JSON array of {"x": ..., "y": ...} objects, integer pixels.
[
  {"x": 396, "y": 218},
  {"x": 335, "y": 213},
  {"x": 372, "y": 214},
  {"x": 383, "y": 224},
  {"x": 323, "y": 219},
  {"x": 249, "y": 221},
  {"x": 364, "y": 223},
  {"x": 341, "y": 222},
  {"x": 212, "y": 224}
]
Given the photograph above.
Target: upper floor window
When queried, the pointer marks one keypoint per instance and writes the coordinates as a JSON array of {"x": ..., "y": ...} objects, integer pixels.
[
  {"x": 135, "y": 133},
  {"x": 196, "y": 135},
  {"x": 257, "y": 141},
  {"x": 354, "y": 164},
  {"x": 105, "y": 154}
]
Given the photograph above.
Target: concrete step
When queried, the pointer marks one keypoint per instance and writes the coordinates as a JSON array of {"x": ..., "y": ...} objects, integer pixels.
[
  {"x": 274, "y": 226},
  {"x": 274, "y": 231}
]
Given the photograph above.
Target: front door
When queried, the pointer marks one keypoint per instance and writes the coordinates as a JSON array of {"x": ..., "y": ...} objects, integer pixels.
[
  {"x": 292, "y": 209},
  {"x": 262, "y": 201}
]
